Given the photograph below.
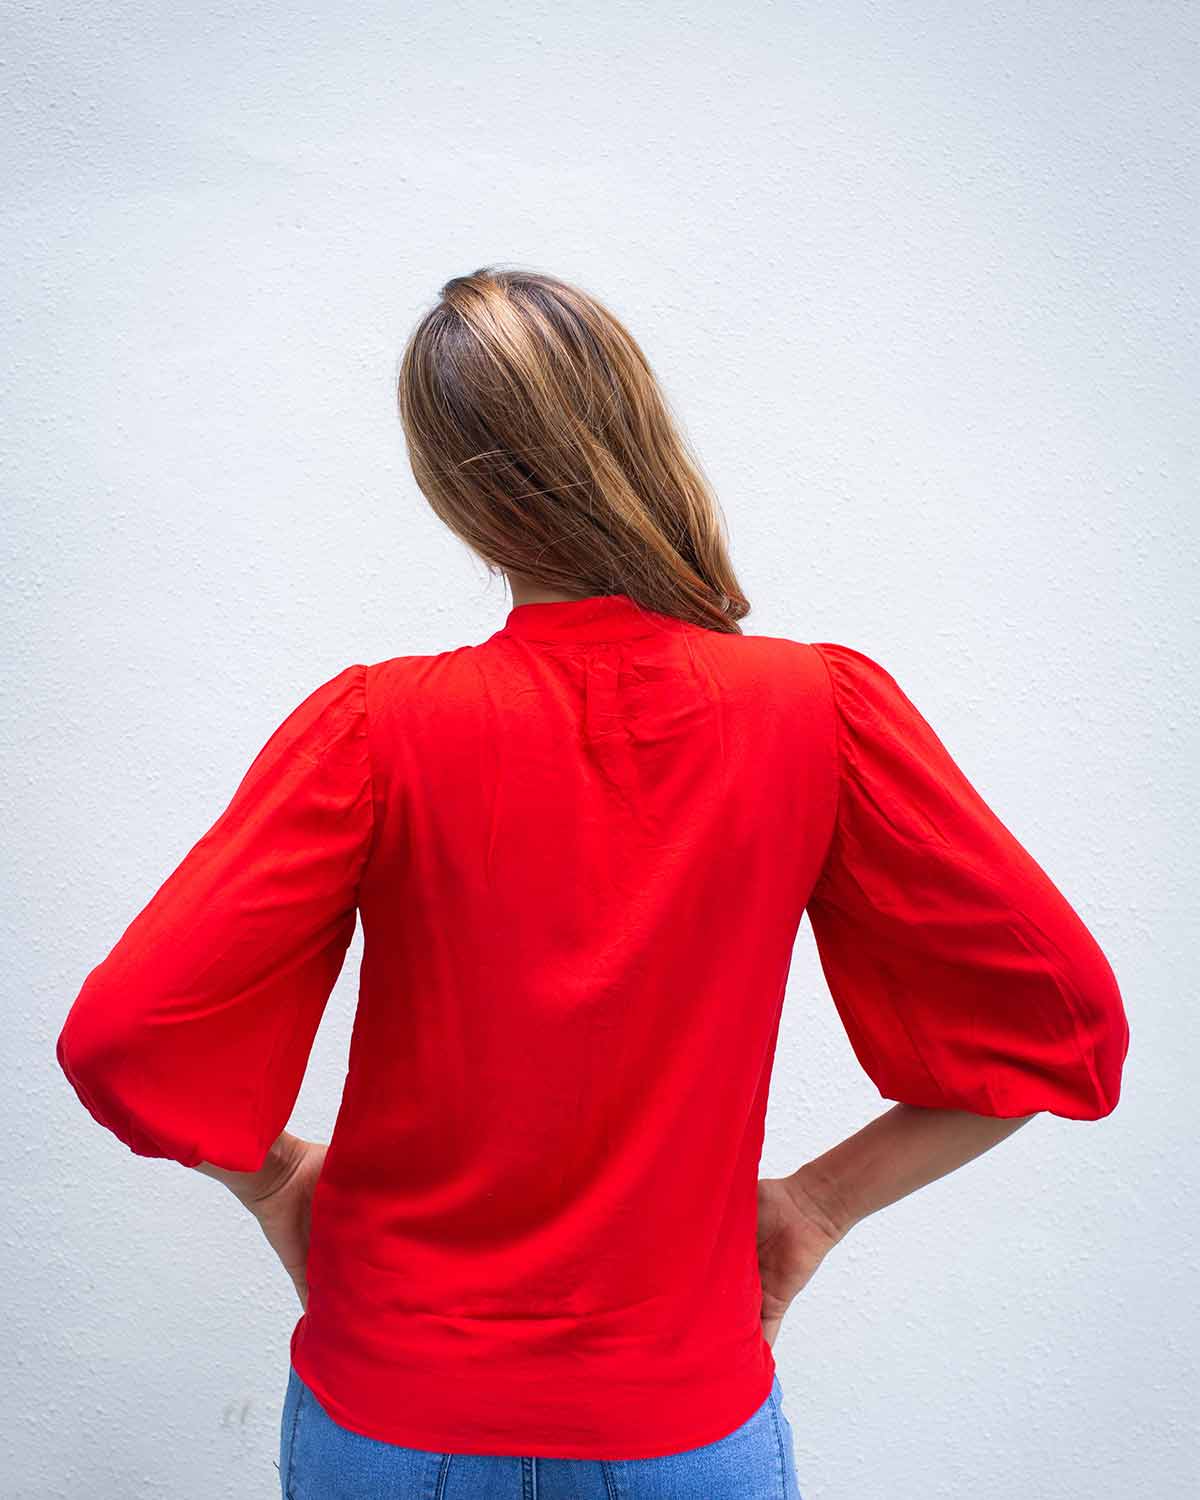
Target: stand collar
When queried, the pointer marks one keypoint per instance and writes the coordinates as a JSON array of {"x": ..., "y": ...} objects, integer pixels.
[{"x": 591, "y": 618}]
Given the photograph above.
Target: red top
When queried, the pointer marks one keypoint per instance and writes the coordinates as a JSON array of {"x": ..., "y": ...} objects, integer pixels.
[{"x": 581, "y": 850}]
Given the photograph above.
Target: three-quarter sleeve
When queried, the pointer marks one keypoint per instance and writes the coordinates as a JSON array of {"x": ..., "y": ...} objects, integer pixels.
[
  {"x": 190, "y": 1039},
  {"x": 962, "y": 976}
]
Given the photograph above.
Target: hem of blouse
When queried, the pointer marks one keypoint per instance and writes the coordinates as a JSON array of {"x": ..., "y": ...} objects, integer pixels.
[{"x": 452, "y": 1444}]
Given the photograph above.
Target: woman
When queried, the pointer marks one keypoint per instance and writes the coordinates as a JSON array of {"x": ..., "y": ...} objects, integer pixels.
[{"x": 535, "y": 1257}]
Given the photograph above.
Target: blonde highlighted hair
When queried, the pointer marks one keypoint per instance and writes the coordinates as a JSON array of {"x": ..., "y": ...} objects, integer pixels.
[{"x": 538, "y": 433}]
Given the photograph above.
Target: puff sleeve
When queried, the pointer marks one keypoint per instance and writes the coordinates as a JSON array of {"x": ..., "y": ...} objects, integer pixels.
[
  {"x": 962, "y": 976},
  {"x": 190, "y": 1039}
]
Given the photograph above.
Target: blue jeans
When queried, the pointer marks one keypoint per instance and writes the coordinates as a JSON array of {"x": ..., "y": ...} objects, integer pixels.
[{"x": 319, "y": 1460}]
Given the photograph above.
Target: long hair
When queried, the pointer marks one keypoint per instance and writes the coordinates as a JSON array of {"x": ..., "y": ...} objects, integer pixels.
[{"x": 538, "y": 433}]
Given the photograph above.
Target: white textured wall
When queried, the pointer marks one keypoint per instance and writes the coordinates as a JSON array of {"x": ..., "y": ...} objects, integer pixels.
[{"x": 920, "y": 281}]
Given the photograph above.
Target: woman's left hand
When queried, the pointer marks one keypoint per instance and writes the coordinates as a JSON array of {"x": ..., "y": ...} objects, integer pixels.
[{"x": 282, "y": 1204}]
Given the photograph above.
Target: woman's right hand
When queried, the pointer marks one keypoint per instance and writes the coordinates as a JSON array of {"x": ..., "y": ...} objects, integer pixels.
[{"x": 795, "y": 1233}]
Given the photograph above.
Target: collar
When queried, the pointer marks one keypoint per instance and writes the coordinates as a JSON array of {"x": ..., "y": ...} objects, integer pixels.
[{"x": 590, "y": 618}]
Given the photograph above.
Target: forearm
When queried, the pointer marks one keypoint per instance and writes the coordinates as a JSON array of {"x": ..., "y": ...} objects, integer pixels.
[
  {"x": 251, "y": 1186},
  {"x": 902, "y": 1150}
]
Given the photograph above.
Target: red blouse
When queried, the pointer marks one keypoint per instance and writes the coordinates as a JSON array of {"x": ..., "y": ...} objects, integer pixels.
[{"x": 581, "y": 850}]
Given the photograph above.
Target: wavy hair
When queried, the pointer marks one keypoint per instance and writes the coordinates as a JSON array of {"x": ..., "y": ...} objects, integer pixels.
[{"x": 539, "y": 434}]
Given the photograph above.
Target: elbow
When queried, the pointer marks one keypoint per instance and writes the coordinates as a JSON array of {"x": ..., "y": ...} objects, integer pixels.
[
  {"x": 1103, "y": 1029},
  {"x": 1112, "y": 1059},
  {"x": 86, "y": 1051},
  {"x": 93, "y": 1037},
  {"x": 96, "y": 1053},
  {"x": 1070, "y": 1059},
  {"x": 80, "y": 1049},
  {"x": 114, "y": 1060}
]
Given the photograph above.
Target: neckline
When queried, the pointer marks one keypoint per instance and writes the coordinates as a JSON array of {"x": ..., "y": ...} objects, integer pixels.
[{"x": 593, "y": 618}]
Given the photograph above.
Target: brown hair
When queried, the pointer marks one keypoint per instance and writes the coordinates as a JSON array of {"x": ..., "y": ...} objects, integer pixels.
[{"x": 538, "y": 433}]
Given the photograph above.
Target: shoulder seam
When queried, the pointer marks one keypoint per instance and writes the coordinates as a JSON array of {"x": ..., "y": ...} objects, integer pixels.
[
  {"x": 838, "y": 762},
  {"x": 371, "y": 837}
]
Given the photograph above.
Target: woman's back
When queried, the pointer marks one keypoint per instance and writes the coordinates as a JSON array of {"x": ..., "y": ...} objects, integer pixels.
[{"x": 595, "y": 833}]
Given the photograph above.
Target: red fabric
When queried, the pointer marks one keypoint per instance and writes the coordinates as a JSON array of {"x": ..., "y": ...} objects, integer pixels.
[{"x": 581, "y": 850}]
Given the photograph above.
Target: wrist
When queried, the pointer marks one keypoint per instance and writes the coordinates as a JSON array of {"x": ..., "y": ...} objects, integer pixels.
[
  {"x": 818, "y": 1196},
  {"x": 278, "y": 1165}
]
